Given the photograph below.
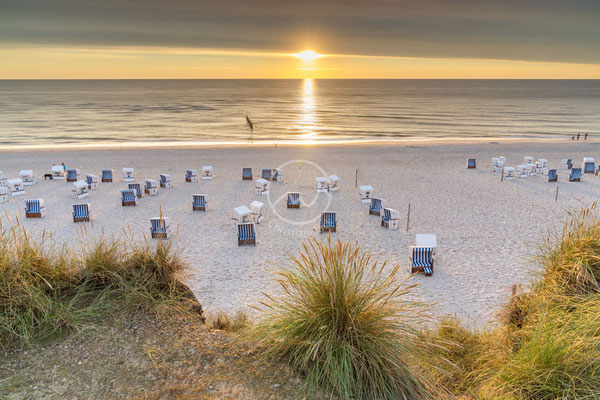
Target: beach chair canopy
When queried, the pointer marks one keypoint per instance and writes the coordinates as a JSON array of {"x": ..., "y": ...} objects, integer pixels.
[
  {"x": 333, "y": 180},
  {"x": 246, "y": 231},
  {"x": 33, "y": 206},
  {"x": 239, "y": 213},
  {"x": 389, "y": 214},
  {"x": 261, "y": 183},
  {"x": 422, "y": 256},
  {"x": 575, "y": 173},
  {"x": 471, "y": 162},
  {"x": 366, "y": 189},
  {"x": 256, "y": 207},
  {"x": 26, "y": 173},
  {"x": 80, "y": 186},
  {"x": 199, "y": 200},
  {"x": 137, "y": 187},
  {"x": 91, "y": 179},
  {"x": 107, "y": 174},
  {"x": 266, "y": 174},
  {"x": 15, "y": 183},
  {"x": 165, "y": 178},
  {"x": 552, "y": 174},
  {"x": 426, "y": 240},
  {"x": 72, "y": 173},
  {"x": 3, "y": 190},
  {"x": 159, "y": 224},
  {"x": 151, "y": 183},
  {"x": 247, "y": 172},
  {"x": 375, "y": 204},
  {"x": 328, "y": 219},
  {"x": 58, "y": 169},
  {"x": 190, "y": 173},
  {"x": 128, "y": 195},
  {"x": 81, "y": 210},
  {"x": 293, "y": 198},
  {"x": 322, "y": 181}
]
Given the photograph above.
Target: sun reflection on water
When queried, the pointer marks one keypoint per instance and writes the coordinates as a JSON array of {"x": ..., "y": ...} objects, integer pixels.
[{"x": 307, "y": 120}]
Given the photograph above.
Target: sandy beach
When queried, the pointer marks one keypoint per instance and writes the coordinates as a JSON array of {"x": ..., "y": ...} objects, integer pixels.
[{"x": 486, "y": 230}]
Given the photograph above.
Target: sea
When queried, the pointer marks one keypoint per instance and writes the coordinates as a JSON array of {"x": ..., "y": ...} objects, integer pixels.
[{"x": 62, "y": 113}]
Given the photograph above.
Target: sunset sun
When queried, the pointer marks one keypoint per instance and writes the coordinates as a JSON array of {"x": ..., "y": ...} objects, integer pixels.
[{"x": 308, "y": 55}]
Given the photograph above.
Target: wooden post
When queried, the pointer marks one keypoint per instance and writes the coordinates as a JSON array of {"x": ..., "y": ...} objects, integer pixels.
[
  {"x": 408, "y": 218},
  {"x": 502, "y": 178},
  {"x": 556, "y": 195},
  {"x": 356, "y": 179}
]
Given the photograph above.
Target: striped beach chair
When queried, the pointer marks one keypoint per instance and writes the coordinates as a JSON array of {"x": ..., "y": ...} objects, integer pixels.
[
  {"x": 471, "y": 163},
  {"x": 92, "y": 181},
  {"x": 588, "y": 165},
  {"x": 72, "y": 175},
  {"x": 151, "y": 187},
  {"x": 191, "y": 175},
  {"x": 575, "y": 175},
  {"x": 567, "y": 163},
  {"x": 160, "y": 228},
  {"x": 246, "y": 234},
  {"x": 552, "y": 176},
  {"x": 166, "y": 181},
  {"x": 199, "y": 202},
  {"x": 81, "y": 212},
  {"x": 389, "y": 219},
  {"x": 328, "y": 222},
  {"x": 128, "y": 197},
  {"x": 277, "y": 175},
  {"x": 246, "y": 174},
  {"x": 35, "y": 208},
  {"x": 266, "y": 174},
  {"x": 107, "y": 175},
  {"x": 421, "y": 260},
  {"x": 376, "y": 206},
  {"x": 293, "y": 200},
  {"x": 137, "y": 187}
]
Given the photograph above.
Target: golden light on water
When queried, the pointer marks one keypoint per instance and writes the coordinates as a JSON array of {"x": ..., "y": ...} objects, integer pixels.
[{"x": 307, "y": 119}]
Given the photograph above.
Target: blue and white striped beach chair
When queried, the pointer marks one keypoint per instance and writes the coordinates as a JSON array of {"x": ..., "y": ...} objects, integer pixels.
[
  {"x": 92, "y": 181},
  {"x": 246, "y": 233},
  {"x": 35, "y": 208},
  {"x": 137, "y": 187},
  {"x": 266, "y": 174},
  {"x": 389, "y": 218},
  {"x": 552, "y": 176},
  {"x": 293, "y": 200},
  {"x": 128, "y": 197},
  {"x": 588, "y": 165},
  {"x": 107, "y": 175},
  {"x": 376, "y": 205},
  {"x": 199, "y": 203},
  {"x": 81, "y": 212},
  {"x": 575, "y": 175},
  {"x": 471, "y": 163},
  {"x": 191, "y": 175},
  {"x": 246, "y": 174},
  {"x": 328, "y": 221},
  {"x": 567, "y": 163},
  {"x": 166, "y": 181},
  {"x": 421, "y": 259},
  {"x": 160, "y": 227},
  {"x": 72, "y": 175}
]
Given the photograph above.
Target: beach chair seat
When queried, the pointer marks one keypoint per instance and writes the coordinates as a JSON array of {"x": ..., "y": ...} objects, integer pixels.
[
  {"x": 151, "y": 187},
  {"x": 3, "y": 194},
  {"x": 420, "y": 259},
  {"x": 552, "y": 176},
  {"x": 328, "y": 222},
  {"x": 376, "y": 205},
  {"x": 166, "y": 181},
  {"x": 389, "y": 218},
  {"x": 27, "y": 177},
  {"x": 80, "y": 190},
  {"x": 199, "y": 202},
  {"x": 92, "y": 182},
  {"x": 575, "y": 175},
  {"x": 191, "y": 175},
  {"x": 246, "y": 174},
  {"x": 160, "y": 228},
  {"x": 107, "y": 175},
  {"x": 366, "y": 193},
  {"x": 72, "y": 175},
  {"x": 35, "y": 208},
  {"x": 207, "y": 172},
  {"x": 128, "y": 174},
  {"x": 471, "y": 163},
  {"x": 293, "y": 200},
  {"x": 246, "y": 234},
  {"x": 128, "y": 197},
  {"x": 137, "y": 188},
  {"x": 81, "y": 212},
  {"x": 266, "y": 174}
]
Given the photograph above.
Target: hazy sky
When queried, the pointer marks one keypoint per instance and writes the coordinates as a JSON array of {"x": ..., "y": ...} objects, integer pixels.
[{"x": 253, "y": 38}]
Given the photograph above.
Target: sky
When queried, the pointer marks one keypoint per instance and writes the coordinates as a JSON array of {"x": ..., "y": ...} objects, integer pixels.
[{"x": 73, "y": 39}]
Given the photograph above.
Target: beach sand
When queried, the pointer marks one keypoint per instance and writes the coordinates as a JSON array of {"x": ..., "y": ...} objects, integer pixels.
[{"x": 487, "y": 231}]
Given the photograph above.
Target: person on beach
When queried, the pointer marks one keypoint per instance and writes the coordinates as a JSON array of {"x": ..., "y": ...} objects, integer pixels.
[
  {"x": 585, "y": 137},
  {"x": 64, "y": 166},
  {"x": 578, "y": 136}
]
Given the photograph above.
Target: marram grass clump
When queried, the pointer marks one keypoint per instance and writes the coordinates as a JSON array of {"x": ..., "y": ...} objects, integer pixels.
[{"x": 345, "y": 321}]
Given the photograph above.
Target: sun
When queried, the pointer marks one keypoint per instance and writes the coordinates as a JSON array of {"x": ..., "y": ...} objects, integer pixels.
[{"x": 308, "y": 55}]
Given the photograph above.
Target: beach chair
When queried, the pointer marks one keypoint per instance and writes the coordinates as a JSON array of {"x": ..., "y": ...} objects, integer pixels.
[
  {"x": 199, "y": 202},
  {"x": 567, "y": 163},
  {"x": 293, "y": 200},
  {"x": 81, "y": 212},
  {"x": 531, "y": 169},
  {"x": 261, "y": 187},
  {"x": 256, "y": 208},
  {"x": 128, "y": 197},
  {"x": 421, "y": 260},
  {"x": 151, "y": 187},
  {"x": 92, "y": 181},
  {"x": 72, "y": 175},
  {"x": 3, "y": 180},
  {"x": 246, "y": 234},
  {"x": 166, "y": 181},
  {"x": 471, "y": 163},
  {"x": 588, "y": 165},
  {"x": 322, "y": 184},
  {"x": 246, "y": 174},
  {"x": 328, "y": 222},
  {"x": 277, "y": 175},
  {"x": 207, "y": 172},
  {"x": 35, "y": 208},
  {"x": 575, "y": 175},
  {"x": 128, "y": 174},
  {"x": 107, "y": 175},
  {"x": 497, "y": 164},
  {"x": 552, "y": 176},
  {"x": 266, "y": 174},
  {"x": 366, "y": 193},
  {"x": 333, "y": 183},
  {"x": 541, "y": 166},
  {"x": 241, "y": 215},
  {"x": 137, "y": 188},
  {"x": 58, "y": 172},
  {"x": 160, "y": 228},
  {"x": 16, "y": 187},
  {"x": 79, "y": 190},
  {"x": 389, "y": 219},
  {"x": 522, "y": 171},
  {"x": 191, "y": 175},
  {"x": 27, "y": 177},
  {"x": 527, "y": 160},
  {"x": 509, "y": 173},
  {"x": 3, "y": 194},
  {"x": 376, "y": 205}
]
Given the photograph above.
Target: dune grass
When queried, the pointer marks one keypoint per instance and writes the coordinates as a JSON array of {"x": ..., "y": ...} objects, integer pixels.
[{"x": 346, "y": 322}]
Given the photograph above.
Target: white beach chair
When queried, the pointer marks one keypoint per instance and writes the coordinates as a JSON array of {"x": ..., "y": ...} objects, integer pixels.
[
  {"x": 207, "y": 172},
  {"x": 322, "y": 184},
  {"x": 35, "y": 208},
  {"x": 92, "y": 181},
  {"x": 509, "y": 173},
  {"x": 58, "y": 172},
  {"x": 541, "y": 166},
  {"x": 160, "y": 227},
  {"x": 277, "y": 175},
  {"x": 256, "y": 208},
  {"x": 3, "y": 180},
  {"x": 497, "y": 164},
  {"x": 107, "y": 175},
  {"x": 522, "y": 171},
  {"x": 241, "y": 215},
  {"x": 376, "y": 205},
  {"x": 79, "y": 190},
  {"x": 389, "y": 218},
  {"x": 261, "y": 187},
  {"x": 528, "y": 160},
  {"x": 199, "y": 202},
  {"x": 588, "y": 166},
  {"x": 567, "y": 163},
  {"x": 3, "y": 194},
  {"x": 531, "y": 168},
  {"x": 16, "y": 187},
  {"x": 27, "y": 177},
  {"x": 72, "y": 175},
  {"x": 366, "y": 193},
  {"x": 128, "y": 197},
  {"x": 128, "y": 175},
  {"x": 151, "y": 187},
  {"x": 81, "y": 212},
  {"x": 191, "y": 175},
  {"x": 333, "y": 183},
  {"x": 166, "y": 181}
]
